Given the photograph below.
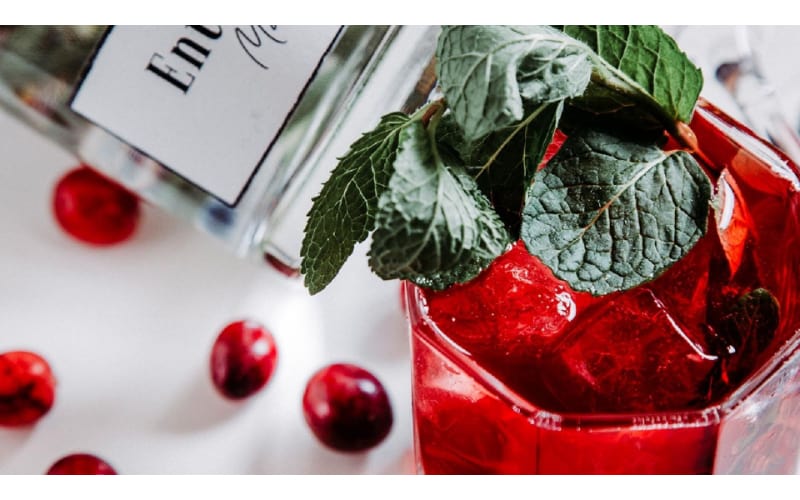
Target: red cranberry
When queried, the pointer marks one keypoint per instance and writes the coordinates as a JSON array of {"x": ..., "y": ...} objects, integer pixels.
[
  {"x": 81, "y": 464},
  {"x": 243, "y": 359},
  {"x": 347, "y": 408},
  {"x": 27, "y": 388},
  {"x": 281, "y": 266},
  {"x": 94, "y": 209}
]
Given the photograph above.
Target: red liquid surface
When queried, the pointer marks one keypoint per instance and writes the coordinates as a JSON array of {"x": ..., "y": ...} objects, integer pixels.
[{"x": 521, "y": 374}]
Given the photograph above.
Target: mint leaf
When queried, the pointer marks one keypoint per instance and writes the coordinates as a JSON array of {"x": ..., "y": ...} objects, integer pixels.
[
  {"x": 486, "y": 72},
  {"x": 754, "y": 321},
  {"x": 744, "y": 331},
  {"x": 504, "y": 162},
  {"x": 343, "y": 213},
  {"x": 638, "y": 65},
  {"x": 435, "y": 228},
  {"x": 608, "y": 215}
]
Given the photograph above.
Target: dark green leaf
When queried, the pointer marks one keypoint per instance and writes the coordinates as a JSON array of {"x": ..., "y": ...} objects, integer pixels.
[
  {"x": 745, "y": 329},
  {"x": 487, "y": 72},
  {"x": 504, "y": 162},
  {"x": 640, "y": 65},
  {"x": 754, "y": 321},
  {"x": 343, "y": 213},
  {"x": 450, "y": 138},
  {"x": 435, "y": 228},
  {"x": 608, "y": 215}
]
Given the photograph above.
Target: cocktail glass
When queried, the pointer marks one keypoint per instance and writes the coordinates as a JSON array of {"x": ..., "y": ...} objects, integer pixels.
[{"x": 518, "y": 374}]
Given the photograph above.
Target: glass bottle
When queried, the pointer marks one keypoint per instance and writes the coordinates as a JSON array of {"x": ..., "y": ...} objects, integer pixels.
[{"x": 233, "y": 128}]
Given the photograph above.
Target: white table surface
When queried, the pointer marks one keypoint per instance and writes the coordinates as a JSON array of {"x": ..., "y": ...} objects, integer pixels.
[{"x": 128, "y": 332}]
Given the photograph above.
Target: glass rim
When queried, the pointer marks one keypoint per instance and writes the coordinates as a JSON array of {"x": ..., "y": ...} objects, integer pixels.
[{"x": 417, "y": 311}]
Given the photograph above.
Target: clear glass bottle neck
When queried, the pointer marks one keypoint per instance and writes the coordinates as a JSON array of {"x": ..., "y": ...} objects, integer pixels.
[{"x": 369, "y": 71}]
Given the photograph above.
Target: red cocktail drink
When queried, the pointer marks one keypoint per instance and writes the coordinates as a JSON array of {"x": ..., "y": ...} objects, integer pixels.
[{"x": 697, "y": 371}]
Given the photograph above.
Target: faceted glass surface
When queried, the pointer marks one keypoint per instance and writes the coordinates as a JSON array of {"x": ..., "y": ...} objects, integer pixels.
[{"x": 694, "y": 372}]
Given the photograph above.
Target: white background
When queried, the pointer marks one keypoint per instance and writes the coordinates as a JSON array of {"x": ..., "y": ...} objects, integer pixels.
[{"x": 128, "y": 332}]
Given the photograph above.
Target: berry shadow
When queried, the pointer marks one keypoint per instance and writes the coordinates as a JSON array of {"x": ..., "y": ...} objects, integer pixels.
[
  {"x": 12, "y": 441},
  {"x": 311, "y": 458},
  {"x": 381, "y": 334},
  {"x": 199, "y": 408},
  {"x": 388, "y": 340},
  {"x": 404, "y": 464}
]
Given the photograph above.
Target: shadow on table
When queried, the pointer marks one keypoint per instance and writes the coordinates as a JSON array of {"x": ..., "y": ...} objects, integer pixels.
[
  {"x": 198, "y": 408},
  {"x": 12, "y": 441}
]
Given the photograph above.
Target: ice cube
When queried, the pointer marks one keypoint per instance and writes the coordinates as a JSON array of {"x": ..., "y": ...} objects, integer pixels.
[
  {"x": 683, "y": 288},
  {"x": 512, "y": 309},
  {"x": 628, "y": 354},
  {"x": 732, "y": 219}
]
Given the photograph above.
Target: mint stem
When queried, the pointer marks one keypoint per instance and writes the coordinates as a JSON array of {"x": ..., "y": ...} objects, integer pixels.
[
  {"x": 624, "y": 84},
  {"x": 431, "y": 109},
  {"x": 431, "y": 120},
  {"x": 687, "y": 138},
  {"x": 524, "y": 123}
]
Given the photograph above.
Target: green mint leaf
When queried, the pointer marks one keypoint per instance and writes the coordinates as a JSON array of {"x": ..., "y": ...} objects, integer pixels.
[
  {"x": 504, "y": 162},
  {"x": 638, "y": 65},
  {"x": 744, "y": 331},
  {"x": 487, "y": 73},
  {"x": 607, "y": 215},
  {"x": 754, "y": 321},
  {"x": 434, "y": 227},
  {"x": 343, "y": 213}
]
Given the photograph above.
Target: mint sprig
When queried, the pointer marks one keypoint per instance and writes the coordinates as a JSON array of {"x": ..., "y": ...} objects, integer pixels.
[
  {"x": 504, "y": 162},
  {"x": 608, "y": 215},
  {"x": 638, "y": 71},
  {"x": 434, "y": 226},
  {"x": 343, "y": 214},
  {"x": 488, "y": 73},
  {"x": 445, "y": 190}
]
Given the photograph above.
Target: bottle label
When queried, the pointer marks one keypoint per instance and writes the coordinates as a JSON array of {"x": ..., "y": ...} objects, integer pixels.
[{"x": 207, "y": 102}]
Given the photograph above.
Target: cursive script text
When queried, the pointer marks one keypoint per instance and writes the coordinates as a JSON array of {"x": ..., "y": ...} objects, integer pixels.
[{"x": 254, "y": 38}]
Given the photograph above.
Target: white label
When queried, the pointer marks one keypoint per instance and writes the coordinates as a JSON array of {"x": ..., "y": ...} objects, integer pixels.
[{"x": 205, "y": 101}]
